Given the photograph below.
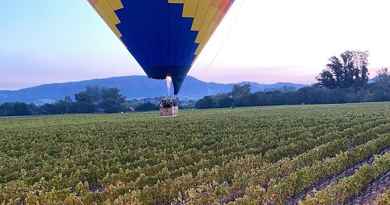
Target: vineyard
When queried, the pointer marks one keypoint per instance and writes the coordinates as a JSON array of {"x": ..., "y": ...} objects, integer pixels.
[{"x": 308, "y": 155}]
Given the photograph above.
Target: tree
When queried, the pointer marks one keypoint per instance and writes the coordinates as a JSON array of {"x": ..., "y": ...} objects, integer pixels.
[
  {"x": 206, "y": 102},
  {"x": 88, "y": 100},
  {"x": 241, "y": 90},
  {"x": 240, "y": 94},
  {"x": 348, "y": 70},
  {"x": 380, "y": 89},
  {"x": 224, "y": 100},
  {"x": 15, "y": 109},
  {"x": 383, "y": 76},
  {"x": 326, "y": 79},
  {"x": 90, "y": 95},
  {"x": 95, "y": 99},
  {"x": 112, "y": 101},
  {"x": 144, "y": 107},
  {"x": 361, "y": 75}
]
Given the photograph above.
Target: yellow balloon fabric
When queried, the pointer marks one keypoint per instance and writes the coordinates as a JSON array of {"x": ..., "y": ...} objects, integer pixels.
[{"x": 164, "y": 36}]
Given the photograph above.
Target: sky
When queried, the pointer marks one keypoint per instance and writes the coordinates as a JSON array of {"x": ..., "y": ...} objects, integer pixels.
[{"x": 266, "y": 41}]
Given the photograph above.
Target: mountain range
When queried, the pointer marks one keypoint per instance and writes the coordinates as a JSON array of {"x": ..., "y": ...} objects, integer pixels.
[{"x": 133, "y": 87}]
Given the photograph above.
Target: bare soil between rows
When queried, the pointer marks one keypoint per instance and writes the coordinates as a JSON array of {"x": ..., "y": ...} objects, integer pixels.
[{"x": 323, "y": 183}]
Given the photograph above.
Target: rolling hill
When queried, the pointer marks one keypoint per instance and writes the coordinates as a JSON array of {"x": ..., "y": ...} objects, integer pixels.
[{"x": 133, "y": 87}]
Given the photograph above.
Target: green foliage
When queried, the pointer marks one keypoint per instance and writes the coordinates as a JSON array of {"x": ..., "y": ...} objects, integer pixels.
[
  {"x": 383, "y": 76},
  {"x": 16, "y": 109},
  {"x": 383, "y": 199},
  {"x": 95, "y": 99},
  {"x": 348, "y": 71},
  {"x": 240, "y": 156},
  {"x": 92, "y": 100},
  {"x": 378, "y": 91},
  {"x": 298, "y": 181},
  {"x": 340, "y": 192},
  {"x": 147, "y": 107},
  {"x": 344, "y": 81}
]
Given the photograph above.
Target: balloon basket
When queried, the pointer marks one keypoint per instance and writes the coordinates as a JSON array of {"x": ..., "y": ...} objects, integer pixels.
[
  {"x": 169, "y": 112},
  {"x": 169, "y": 107}
]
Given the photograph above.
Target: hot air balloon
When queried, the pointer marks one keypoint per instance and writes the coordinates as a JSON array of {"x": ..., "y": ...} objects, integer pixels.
[{"x": 164, "y": 36}]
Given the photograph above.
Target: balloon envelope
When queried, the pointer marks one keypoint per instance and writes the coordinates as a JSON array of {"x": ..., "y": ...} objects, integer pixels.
[{"x": 164, "y": 36}]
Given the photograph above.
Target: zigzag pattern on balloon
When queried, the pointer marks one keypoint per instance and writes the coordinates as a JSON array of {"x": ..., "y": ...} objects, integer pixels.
[
  {"x": 164, "y": 36},
  {"x": 206, "y": 14},
  {"x": 106, "y": 9}
]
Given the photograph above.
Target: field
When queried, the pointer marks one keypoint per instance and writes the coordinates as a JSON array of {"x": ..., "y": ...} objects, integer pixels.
[{"x": 330, "y": 154}]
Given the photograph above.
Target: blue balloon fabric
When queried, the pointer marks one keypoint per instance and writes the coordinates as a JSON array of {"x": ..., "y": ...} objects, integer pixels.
[{"x": 164, "y": 36}]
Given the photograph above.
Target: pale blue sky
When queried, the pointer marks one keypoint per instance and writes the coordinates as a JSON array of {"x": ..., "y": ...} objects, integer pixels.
[
  {"x": 57, "y": 40},
  {"x": 44, "y": 41}
]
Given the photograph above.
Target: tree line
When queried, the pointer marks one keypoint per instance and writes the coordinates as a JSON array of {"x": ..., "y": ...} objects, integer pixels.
[
  {"x": 92, "y": 100},
  {"x": 345, "y": 80}
]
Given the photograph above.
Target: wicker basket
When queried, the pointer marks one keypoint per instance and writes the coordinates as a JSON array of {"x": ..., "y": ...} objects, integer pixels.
[{"x": 169, "y": 111}]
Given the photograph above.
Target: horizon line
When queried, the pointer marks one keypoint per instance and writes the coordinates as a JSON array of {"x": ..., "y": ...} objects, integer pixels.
[{"x": 139, "y": 75}]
